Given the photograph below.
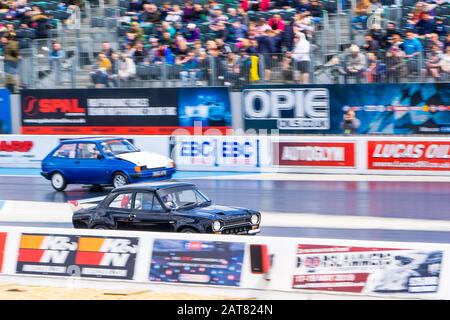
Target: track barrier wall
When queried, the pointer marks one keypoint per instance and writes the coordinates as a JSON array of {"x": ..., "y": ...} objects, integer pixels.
[
  {"x": 284, "y": 154},
  {"x": 379, "y": 269}
]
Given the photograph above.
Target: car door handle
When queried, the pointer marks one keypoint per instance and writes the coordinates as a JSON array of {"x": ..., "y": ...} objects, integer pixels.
[{"x": 131, "y": 217}]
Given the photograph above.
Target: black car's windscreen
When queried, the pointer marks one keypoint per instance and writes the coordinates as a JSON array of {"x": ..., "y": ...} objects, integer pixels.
[
  {"x": 118, "y": 146},
  {"x": 182, "y": 197}
]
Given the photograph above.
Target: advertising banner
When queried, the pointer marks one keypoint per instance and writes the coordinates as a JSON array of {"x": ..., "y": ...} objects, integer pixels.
[
  {"x": 81, "y": 256},
  {"x": 124, "y": 111},
  {"x": 200, "y": 262},
  {"x": 216, "y": 151},
  {"x": 2, "y": 247},
  {"x": 408, "y": 155},
  {"x": 315, "y": 154},
  {"x": 5, "y": 111},
  {"x": 418, "y": 108},
  {"x": 367, "y": 270},
  {"x": 25, "y": 151}
]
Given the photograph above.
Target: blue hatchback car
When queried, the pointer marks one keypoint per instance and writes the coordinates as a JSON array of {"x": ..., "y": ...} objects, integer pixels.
[{"x": 103, "y": 161}]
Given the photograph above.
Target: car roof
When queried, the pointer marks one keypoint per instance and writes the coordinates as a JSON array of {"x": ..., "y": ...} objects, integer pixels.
[
  {"x": 92, "y": 139},
  {"x": 153, "y": 186}
]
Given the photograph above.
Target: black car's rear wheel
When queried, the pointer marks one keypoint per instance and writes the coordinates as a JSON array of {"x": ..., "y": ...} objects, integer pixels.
[
  {"x": 59, "y": 182},
  {"x": 189, "y": 230},
  {"x": 119, "y": 180}
]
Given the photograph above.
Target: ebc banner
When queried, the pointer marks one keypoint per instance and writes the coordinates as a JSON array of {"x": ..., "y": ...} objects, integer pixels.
[
  {"x": 79, "y": 256},
  {"x": 419, "y": 108},
  {"x": 124, "y": 111},
  {"x": 197, "y": 262}
]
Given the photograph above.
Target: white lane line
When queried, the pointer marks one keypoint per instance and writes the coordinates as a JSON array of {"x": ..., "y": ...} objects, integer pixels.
[
  {"x": 328, "y": 177},
  {"x": 312, "y": 220}
]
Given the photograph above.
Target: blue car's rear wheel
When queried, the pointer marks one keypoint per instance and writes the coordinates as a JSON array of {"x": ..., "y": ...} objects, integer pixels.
[
  {"x": 59, "y": 182},
  {"x": 119, "y": 180}
]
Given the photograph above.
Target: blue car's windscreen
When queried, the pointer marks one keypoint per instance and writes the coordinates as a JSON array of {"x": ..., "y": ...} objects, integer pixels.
[{"x": 118, "y": 146}]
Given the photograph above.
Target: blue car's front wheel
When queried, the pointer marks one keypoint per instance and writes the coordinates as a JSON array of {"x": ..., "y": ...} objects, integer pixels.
[{"x": 119, "y": 180}]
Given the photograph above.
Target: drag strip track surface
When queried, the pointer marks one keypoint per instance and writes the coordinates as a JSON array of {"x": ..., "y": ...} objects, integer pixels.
[
  {"x": 426, "y": 200},
  {"x": 413, "y": 200}
]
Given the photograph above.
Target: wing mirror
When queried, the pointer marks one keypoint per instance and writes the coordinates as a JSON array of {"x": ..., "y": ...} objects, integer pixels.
[{"x": 100, "y": 157}]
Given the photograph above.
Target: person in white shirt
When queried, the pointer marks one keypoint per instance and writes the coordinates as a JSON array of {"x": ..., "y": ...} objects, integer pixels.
[{"x": 302, "y": 58}]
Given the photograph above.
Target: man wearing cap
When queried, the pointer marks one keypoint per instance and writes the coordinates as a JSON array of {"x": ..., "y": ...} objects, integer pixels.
[
  {"x": 192, "y": 33},
  {"x": 355, "y": 64}
]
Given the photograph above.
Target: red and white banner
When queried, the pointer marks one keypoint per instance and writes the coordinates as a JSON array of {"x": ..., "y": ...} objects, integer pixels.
[
  {"x": 408, "y": 155},
  {"x": 366, "y": 269},
  {"x": 315, "y": 154}
]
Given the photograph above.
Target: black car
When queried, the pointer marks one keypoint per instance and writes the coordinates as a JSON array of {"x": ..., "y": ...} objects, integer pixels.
[{"x": 165, "y": 206}]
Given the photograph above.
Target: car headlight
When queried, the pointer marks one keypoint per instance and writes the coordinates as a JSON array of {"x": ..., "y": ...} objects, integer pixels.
[
  {"x": 254, "y": 219},
  {"x": 216, "y": 225}
]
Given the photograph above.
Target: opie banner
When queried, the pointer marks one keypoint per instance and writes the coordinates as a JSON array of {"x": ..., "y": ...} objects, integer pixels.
[
  {"x": 366, "y": 269},
  {"x": 82, "y": 256}
]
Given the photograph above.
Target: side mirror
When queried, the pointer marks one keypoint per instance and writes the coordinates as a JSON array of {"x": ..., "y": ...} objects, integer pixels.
[
  {"x": 100, "y": 157},
  {"x": 259, "y": 259}
]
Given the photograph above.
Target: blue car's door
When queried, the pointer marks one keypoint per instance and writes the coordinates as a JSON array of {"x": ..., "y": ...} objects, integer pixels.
[
  {"x": 91, "y": 166},
  {"x": 64, "y": 160}
]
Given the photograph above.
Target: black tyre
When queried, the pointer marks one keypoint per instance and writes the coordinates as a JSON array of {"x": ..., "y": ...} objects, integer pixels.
[
  {"x": 119, "y": 179},
  {"x": 100, "y": 227},
  {"x": 189, "y": 230},
  {"x": 59, "y": 182}
]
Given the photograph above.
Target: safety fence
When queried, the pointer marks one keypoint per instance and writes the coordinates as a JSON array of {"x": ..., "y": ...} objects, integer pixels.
[
  {"x": 262, "y": 153},
  {"x": 295, "y": 265}
]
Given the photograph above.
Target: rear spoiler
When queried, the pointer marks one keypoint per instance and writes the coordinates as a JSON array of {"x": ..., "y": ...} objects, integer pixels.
[{"x": 77, "y": 205}]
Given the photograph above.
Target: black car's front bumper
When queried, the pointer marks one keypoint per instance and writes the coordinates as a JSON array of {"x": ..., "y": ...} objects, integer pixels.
[{"x": 239, "y": 230}]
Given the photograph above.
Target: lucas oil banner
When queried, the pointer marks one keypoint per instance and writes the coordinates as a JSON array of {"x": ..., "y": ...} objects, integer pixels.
[
  {"x": 367, "y": 270},
  {"x": 421, "y": 108},
  {"x": 124, "y": 111}
]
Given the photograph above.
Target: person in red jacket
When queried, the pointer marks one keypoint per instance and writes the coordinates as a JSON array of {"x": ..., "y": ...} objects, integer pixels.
[
  {"x": 264, "y": 5},
  {"x": 245, "y": 5}
]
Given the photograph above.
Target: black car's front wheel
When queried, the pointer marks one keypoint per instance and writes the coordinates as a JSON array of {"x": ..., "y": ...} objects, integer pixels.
[
  {"x": 59, "y": 182},
  {"x": 189, "y": 230},
  {"x": 119, "y": 180},
  {"x": 100, "y": 227}
]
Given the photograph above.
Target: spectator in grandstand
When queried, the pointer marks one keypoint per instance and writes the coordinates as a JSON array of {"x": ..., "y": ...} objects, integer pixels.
[
  {"x": 440, "y": 28},
  {"x": 106, "y": 49},
  {"x": 151, "y": 14},
  {"x": 303, "y": 6},
  {"x": 40, "y": 22},
  {"x": 445, "y": 65},
  {"x": 395, "y": 64},
  {"x": 199, "y": 15},
  {"x": 350, "y": 123},
  {"x": 126, "y": 68},
  {"x": 433, "y": 40},
  {"x": 316, "y": 11},
  {"x": 219, "y": 30},
  {"x": 276, "y": 23},
  {"x": 231, "y": 67},
  {"x": 175, "y": 15},
  {"x": 370, "y": 44},
  {"x": 113, "y": 75},
  {"x": 355, "y": 64},
  {"x": 139, "y": 53},
  {"x": 447, "y": 41},
  {"x": 165, "y": 9},
  {"x": 192, "y": 34},
  {"x": 361, "y": 12},
  {"x": 188, "y": 12},
  {"x": 167, "y": 26},
  {"x": 391, "y": 29},
  {"x": 418, "y": 12},
  {"x": 375, "y": 7},
  {"x": 425, "y": 25},
  {"x": 165, "y": 54},
  {"x": 223, "y": 47},
  {"x": 134, "y": 6},
  {"x": 413, "y": 52},
  {"x": 377, "y": 32},
  {"x": 267, "y": 48},
  {"x": 302, "y": 58},
  {"x": 11, "y": 62},
  {"x": 137, "y": 30},
  {"x": 237, "y": 31},
  {"x": 375, "y": 68},
  {"x": 100, "y": 74},
  {"x": 304, "y": 24},
  {"x": 432, "y": 66},
  {"x": 56, "y": 56}
]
